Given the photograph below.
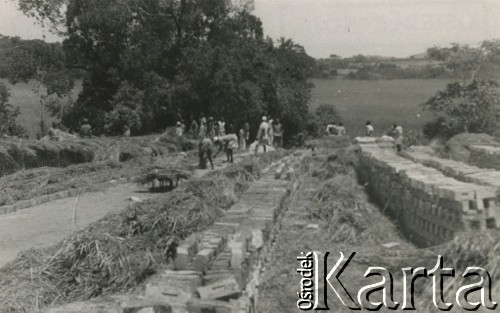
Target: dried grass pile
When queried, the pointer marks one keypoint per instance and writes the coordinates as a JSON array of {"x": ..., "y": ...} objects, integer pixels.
[
  {"x": 343, "y": 204},
  {"x": 471, "y": 249},
  {"x": 457, "y": 148},
  {"x": 16, "y": 155},
  {"x": 28, "y": 184},
  {"x": 177, "y": 143},
  {"x": 128, "y": 148},
  {"x": 119, "y": 251}
]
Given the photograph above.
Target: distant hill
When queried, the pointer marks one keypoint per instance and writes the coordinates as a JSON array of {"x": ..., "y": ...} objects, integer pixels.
[{"x": 373, "y": 67}]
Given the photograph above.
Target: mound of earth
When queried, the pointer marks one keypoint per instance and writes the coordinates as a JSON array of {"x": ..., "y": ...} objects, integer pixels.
[{"x": 458, "y": 147}]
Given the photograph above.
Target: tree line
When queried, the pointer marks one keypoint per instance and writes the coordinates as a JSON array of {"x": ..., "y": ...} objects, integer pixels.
[{"x": 145, "y": 63}]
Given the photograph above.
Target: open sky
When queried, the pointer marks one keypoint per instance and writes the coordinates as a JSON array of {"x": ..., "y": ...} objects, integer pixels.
[{"x": 347, "y": 27}]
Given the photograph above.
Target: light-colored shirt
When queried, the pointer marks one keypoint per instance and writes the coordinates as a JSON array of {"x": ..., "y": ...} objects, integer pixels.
[
  {"x": 369, "y": 130},
  {"x": 85, "y": 130},
  {"x": 398, "y": 135},
  {"x": 399, "y": 131},
  {"x": 264, "y": 130},
  {"x": 331, "y": 129},
  {"x": 222, "y": 127},
  {"x": 341, "y": 130},
  {"x": 231, "y": 140}
]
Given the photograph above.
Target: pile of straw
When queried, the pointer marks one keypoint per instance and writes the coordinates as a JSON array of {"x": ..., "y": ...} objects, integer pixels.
[
  {"x": 31, "y": 183},
  {"x": 17, "y": 155},
  {"x": 119, "y": 251},
  {"x": 457, "y": 148},
  {"x": 343, "y": 205}
]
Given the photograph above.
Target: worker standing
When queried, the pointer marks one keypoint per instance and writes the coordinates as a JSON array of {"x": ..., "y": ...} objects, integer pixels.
[
  {"x": 242, "y": 146},
  {"x": 271, "y": 132},
  {"x": 341, "y": 130},
  {"x": 246, "y": 129},
  {"x": 369, "y": 128},
  {"x": 126, "y": 131},
  {"x": 194, "y": 126},
  {"x": 85, "y": 129},
  {"x": 278, "y": 134},
  {"x": 262, "y": 135},
  {"x": 203, "y": 127},
  {"x": 222, "y": 127},
  {"x": 397, "y": 131},
  {"x": 179, "y": 130},
  {"x": 211, "y": 128}
]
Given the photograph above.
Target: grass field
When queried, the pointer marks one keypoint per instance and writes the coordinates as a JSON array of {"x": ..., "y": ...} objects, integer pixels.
[
  {"x": 22, "y": 96},
  {"x": 383, "y": 102}
]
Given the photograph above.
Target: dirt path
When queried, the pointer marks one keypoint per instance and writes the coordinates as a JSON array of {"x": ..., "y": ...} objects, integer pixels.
[{"x": 45, "y": 224}]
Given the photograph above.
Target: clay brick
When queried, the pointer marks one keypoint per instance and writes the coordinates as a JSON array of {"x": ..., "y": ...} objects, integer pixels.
[
  {"x": 182, "y": 258},
  {"x": 224, "y": 289},
  {"x": 257, "y": 239},
  {"x": 210, "y": 306},
  {"x": 202, "y": 259},
  {"x": 166, "y": 292},
  {"x": 135, "y": 306}
]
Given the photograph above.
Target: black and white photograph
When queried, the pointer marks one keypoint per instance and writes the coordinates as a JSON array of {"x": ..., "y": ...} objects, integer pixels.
[{"x": 249, "y": 156}]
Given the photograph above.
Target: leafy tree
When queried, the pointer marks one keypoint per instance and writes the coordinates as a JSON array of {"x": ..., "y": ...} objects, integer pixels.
[
  {"x": 127, "y": 110},
  {"x": 469, "y": 103},
  {"x": 183, "y": 57},
  {"x": 464, "y": 108},
  {"x": 465, "y": 63},
  {"x": 43, "y": 66},
  {"x": 8, "y": 115}
]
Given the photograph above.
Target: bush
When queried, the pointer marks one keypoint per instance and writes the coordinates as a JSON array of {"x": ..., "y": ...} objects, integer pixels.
[
  {"x": 463, "y": 108},
  {"x": 8, "y": 115},
  {"x": 325, "y": 114}
]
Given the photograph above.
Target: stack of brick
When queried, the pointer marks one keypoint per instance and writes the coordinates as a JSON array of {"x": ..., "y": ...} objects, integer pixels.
[
  {"x": 459, "y": 170},
  {"x": 223, "y": 264},
  {"x": 485, "y": 156},
  {"x": 382, "y": 142},
  {"x": 431, "y": 206},
  {"x": 219, "y": 270}
]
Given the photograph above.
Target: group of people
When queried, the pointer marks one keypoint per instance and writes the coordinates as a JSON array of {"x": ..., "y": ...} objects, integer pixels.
[
  {"x": 396, "y": 132},
  {"x": 224, "y": 137}
]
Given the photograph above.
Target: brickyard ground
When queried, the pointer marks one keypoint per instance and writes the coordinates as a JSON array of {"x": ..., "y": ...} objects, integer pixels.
[{"x": 227, "y": 240}]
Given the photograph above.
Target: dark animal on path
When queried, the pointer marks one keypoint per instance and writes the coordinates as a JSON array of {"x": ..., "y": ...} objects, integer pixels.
[{"x": 163, "y": 181}]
